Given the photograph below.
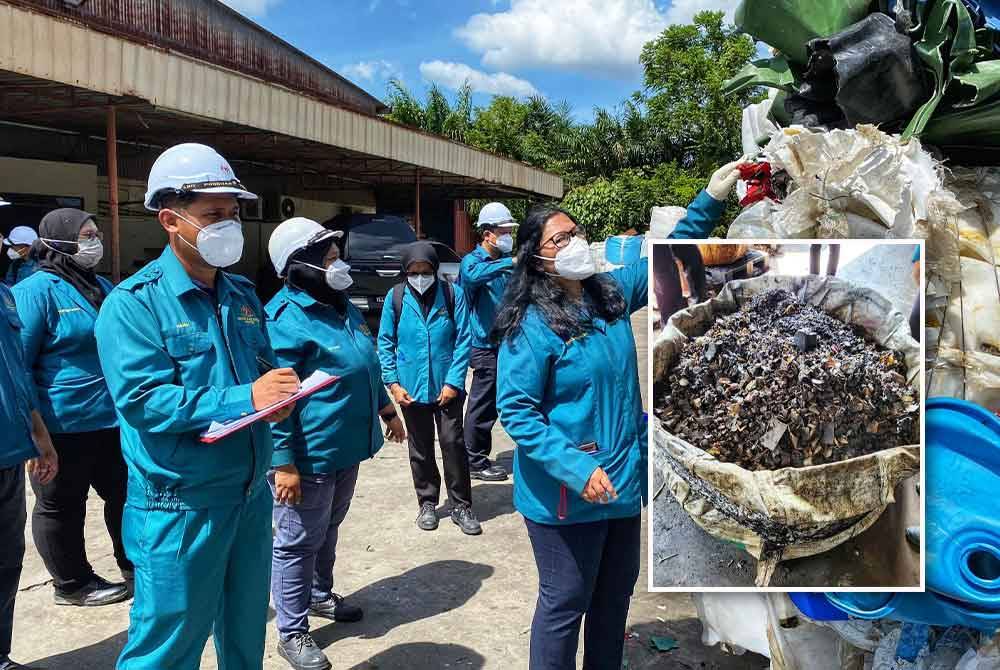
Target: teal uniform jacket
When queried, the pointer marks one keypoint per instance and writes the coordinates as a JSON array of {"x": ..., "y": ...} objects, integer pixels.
[
  {"x": 338, "y": 426},
  {"x": 484, "y": 281},
  {"x": 20, "y": 270},
  {"x": 176, "y": 359},
  {"x": 555, "y": 398},
  {"x": 702, "y": 216},
  {"x": 425, "y": 353},
  {"x": 16, "y": 396},
  {"x": 61, "y": 351}
]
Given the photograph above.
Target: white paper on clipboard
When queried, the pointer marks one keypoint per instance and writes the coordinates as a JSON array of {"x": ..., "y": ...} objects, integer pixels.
[{"x": 314, "y": 382}]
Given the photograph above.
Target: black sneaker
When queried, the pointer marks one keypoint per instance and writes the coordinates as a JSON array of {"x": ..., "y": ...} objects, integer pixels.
[
  {"x": 301, "y": 652},
  {"x": 428, "y": 518},
  {"x": 491, "y": 473},
  {"x": 97, "y": 593},
  {"x": 335, "y": 608},
  {"x": 465, "y": 518}
]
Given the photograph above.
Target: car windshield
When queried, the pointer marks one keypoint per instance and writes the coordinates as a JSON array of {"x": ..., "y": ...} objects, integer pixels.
[
  {"x": 445, "y": 254},
  {"x": 381, "y": 239}
]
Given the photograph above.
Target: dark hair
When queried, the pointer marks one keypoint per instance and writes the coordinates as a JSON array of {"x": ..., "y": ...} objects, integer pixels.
[
  {"x": 530, "y": 286},
  {"x": 175, "y": 199}
]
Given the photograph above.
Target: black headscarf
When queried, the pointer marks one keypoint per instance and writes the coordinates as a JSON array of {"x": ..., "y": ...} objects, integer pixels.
[
  {"x": 64, "y": 225},
  {"x": 422, "y": 252},
  {"x": 311, "y": 280}
]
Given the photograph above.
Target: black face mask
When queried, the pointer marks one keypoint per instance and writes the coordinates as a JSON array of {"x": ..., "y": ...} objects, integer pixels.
[{"x": 311, "y": 280}]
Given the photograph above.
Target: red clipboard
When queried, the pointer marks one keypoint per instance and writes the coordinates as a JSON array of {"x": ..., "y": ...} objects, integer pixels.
[{"x": 218, "y": 431}]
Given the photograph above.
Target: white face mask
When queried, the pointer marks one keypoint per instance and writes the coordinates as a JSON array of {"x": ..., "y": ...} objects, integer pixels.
[
  {"x": 13, "y": 255},
  {"x": 421, "y": 283},
  {"x": 505, "y": 243},
  {"x": 220, "y": 243},
  {"x": 90, "y": 253},
  {"x": 574, "y": 261},
  {"x": 337, "y": 275}
]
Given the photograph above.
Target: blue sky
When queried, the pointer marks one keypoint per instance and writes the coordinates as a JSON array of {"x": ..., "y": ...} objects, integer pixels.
[{"x": 582, "y": 51}]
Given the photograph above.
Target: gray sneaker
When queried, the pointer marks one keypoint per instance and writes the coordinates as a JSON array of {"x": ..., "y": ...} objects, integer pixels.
[
  {"x": 465, "y": 518},
  {"x": 428, "y": 518},
  {"x": 302, "y": 653},
  {"x": 96, "y": 593}
]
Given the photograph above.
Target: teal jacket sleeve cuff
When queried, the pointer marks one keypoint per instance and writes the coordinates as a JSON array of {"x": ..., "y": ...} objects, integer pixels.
[
  {"x": 282, "y": 457},
  {"x": 239, "y": 402},
  {"x": 702, "y": 216}
]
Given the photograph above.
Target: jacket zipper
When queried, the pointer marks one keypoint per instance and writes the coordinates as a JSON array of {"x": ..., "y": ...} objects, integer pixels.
[{"x": 236, "y": 375}]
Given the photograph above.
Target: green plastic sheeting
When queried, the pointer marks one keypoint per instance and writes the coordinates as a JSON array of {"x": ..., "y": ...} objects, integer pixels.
[
  {"x": 787, "y": 25},
  {"x": 772, "y": 72},
  {"x": 977, "y": 85}
]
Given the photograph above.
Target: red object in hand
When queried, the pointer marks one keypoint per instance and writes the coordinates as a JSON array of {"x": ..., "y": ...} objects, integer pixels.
[{"x": 758, "y": 179}]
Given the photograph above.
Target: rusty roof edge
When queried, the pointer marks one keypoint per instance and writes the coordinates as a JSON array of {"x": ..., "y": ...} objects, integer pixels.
[{"x": 382, "y": 107}]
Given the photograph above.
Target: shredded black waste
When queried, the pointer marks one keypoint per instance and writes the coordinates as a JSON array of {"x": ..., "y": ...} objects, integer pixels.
[{"x": 745, "y": 392}]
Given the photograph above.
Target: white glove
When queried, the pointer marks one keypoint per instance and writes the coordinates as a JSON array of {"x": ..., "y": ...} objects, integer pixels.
[{"x": 724, "y": 179}]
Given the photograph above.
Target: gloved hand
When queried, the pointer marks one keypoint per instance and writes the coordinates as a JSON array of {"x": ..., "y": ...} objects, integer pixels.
[{"x": 724, "y": 179}]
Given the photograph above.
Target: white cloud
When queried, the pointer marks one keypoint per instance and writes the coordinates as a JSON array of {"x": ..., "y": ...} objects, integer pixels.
[
  {"x": 371, "y": 70},
  {"x": 454, "y": 75},
  {"x": 603, "y": 35},
  {"x": 682, "y": 11},
  {"x": 252, "y": 7}
]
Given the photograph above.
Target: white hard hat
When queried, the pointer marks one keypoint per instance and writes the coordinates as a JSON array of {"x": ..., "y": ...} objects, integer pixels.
[
  {"x": 192, "y": 168},
  {"x": 294, "y": 234},
  {"x": 495, "y": 214},
  {"x": 21, "y": 235}
]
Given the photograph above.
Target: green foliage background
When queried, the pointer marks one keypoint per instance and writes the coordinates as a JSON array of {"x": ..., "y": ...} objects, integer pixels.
[{"x": 658, "y": 147}]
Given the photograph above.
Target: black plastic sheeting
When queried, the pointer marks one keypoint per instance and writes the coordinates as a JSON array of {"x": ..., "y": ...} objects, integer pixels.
[{"x": 849, "y": 74}]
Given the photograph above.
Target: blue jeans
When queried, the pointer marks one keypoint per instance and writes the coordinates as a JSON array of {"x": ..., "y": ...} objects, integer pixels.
[
  {"x": 305, "y": 546},
  {"x": 584, "y": 569},
  {"x": 198, "y": 572}
]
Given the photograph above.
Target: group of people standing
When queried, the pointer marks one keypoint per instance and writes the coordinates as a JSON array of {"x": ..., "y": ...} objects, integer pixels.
[{"x": 113, "y": 388}]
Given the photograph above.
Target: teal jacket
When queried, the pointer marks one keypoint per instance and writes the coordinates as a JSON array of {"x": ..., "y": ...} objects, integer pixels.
[
  {"x": 20, "y": 270},
  {"x": 425, "y": 353},
  {"x": 61, "y": 351},
  {"x": 555, "y": 397},
  {"x": 176, "y": 358},
  {"x": 702, "y": 216},
  {"x": 16, "y": 397},
  {"x": 484, "y": 281},
  {"x": 337, "y": 427}
]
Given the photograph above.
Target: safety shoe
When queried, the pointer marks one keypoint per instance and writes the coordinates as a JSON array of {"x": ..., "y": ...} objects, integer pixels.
[
  {"x": 428, "y": 518},
  {"x": 96, "y": 593},
  {"x": 491, "y": 473},
  {"x": 7, "y": 664},
  {"x": 912, "y": 535},
  {"x": 335, "y": 608},
  {"x": 302, "y": 653},
  {"x": 465, "y": 518}
]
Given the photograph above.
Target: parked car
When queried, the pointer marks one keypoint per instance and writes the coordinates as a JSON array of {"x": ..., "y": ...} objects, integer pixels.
[{"x": 373, "y": 246}]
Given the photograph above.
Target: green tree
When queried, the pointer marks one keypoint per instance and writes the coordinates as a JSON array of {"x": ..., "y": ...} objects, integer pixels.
[{"x": 684, "y": 70}]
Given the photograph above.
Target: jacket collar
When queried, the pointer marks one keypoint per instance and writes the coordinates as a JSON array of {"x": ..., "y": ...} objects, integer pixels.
[{"x": 180, "y": 281}]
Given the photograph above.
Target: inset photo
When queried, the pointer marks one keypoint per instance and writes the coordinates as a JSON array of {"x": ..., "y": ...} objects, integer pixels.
[{"x": 786, "y": 416}]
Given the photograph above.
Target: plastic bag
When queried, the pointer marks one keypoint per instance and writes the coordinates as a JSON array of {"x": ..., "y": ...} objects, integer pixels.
[
  {"x": 738, "y": 620},
  {"x": 663, "y": 220},
  {"x": 792, "y": 512},
  {"x": 787, "y": 25}
]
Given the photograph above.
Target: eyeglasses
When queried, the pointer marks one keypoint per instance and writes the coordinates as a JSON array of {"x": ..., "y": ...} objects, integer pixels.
[
  {"x": 419, "y": 274},
  {"x": 91, "y": 236},
  {"x": 562, "y": 239}
]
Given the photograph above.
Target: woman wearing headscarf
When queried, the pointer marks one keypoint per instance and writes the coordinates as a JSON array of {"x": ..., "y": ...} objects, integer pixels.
[
  {"x": 424, "y": 344},
  {"x": 569, "y": 397},
  {"x": 318, "y": 449},
  {"x": 58, "y": 307}
]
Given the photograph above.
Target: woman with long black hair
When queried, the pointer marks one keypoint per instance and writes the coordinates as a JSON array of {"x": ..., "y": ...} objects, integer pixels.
[{"x": 569, "y": 397}]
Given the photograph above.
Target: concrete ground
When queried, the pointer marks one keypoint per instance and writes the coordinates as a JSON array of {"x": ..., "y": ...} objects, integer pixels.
[{"x": 431, "y": 600}]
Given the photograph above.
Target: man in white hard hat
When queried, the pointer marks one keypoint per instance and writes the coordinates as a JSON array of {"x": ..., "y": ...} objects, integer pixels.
[
  {"x": 182, "y": 345},
  {"x": 18, "y": 245},
  {"x": 483, "y": 276}
]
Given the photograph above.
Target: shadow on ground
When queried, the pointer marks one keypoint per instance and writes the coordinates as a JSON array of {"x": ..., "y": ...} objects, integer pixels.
[
  {"x": 423, "y": 655},
  {"x": 101, "y": 654},
  {"x": 422, "y": 592}
]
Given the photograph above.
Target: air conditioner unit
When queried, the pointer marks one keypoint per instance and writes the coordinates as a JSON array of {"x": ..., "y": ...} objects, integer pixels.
[{"x": 290, "y": 206}]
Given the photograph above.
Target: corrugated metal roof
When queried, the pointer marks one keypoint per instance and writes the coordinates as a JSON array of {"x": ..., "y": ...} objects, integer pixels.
[
  {"x": 49, "y": 48},
  {"x": 209, "y": 30}
]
